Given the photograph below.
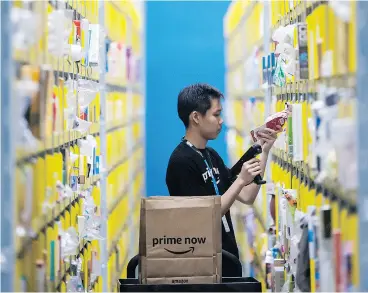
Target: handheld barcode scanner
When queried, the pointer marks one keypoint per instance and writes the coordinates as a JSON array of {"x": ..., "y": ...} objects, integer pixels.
[{"x": 251, "y": 153}]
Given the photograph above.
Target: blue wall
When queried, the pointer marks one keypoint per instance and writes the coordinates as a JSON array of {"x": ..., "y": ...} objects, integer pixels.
[{"x": 184, "y": 45}]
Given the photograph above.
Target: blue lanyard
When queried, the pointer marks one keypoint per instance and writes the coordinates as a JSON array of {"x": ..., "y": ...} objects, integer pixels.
[
  {"x": 224, "y": 220},
  {"x": 207, "y": 165},
  {"x": 212, "y": 177}
]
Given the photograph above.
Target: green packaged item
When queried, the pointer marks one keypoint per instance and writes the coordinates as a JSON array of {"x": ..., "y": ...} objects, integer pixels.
[{"x": 279, "y": 77}]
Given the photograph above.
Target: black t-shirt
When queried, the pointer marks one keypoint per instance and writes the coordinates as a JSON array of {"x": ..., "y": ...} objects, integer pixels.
[{"x": 187, "y": 175}]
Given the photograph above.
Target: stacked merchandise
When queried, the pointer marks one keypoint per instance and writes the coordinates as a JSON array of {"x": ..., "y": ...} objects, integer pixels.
[
  {"x": 78, "y": 171},
  {"x": 297, "y": 59}
]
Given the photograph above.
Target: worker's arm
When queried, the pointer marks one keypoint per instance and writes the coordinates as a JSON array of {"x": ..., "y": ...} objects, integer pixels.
[
  {"x": 249, "y": 170},
  {"x": 183, "y": 179},
  {"x": 249, "y": 193}
]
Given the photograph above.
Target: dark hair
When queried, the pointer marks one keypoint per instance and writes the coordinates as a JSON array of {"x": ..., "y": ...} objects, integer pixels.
[{"x": 196, "y": 97}]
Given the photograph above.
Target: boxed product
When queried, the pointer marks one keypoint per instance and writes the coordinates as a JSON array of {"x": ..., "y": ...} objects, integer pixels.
[{"x": 180, "y": 240}]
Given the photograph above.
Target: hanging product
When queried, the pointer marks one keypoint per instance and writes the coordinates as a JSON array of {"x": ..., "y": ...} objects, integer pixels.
[
  {"x": 74, "y": 284},
  {"x": 303, "y": 52},
  {"x": 303, "y": 269},
  {"x": 279, "y": 77},
  {"x": 69, "y": 242},
  {"x": 91, "y": 223},
  {"x": 26, "y": 28},
  {"x": 269, "y": 264},
  {"x": 59, "y": 29},
  {"x": 81, "y": 125}
]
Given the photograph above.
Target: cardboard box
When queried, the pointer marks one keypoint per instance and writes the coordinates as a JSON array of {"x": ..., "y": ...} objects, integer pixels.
[{"x": 180, "y": 240}]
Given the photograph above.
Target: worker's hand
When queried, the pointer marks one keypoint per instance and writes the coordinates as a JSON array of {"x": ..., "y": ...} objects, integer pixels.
[
  {"x": 249, "y": 170},
  {"x": 267, "y": 138}
]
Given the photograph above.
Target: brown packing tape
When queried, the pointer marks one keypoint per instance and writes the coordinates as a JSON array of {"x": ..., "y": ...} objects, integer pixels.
[
  {"x": 217, "y": 225},
  {"x": 182, "y": 280},
  {"x": 219, "y": 265},
  {"x": 182, "y": 267},
  {"x": 178, "y": 202}
]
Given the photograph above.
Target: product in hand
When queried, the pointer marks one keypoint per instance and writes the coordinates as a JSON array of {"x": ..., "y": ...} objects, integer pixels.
[{"x": 272, "y": 122}]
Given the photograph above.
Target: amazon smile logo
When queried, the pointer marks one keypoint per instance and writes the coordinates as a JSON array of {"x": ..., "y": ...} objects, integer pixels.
[
  {"x": 190, "y": 241},
  {"x": 191, "y": 249}
]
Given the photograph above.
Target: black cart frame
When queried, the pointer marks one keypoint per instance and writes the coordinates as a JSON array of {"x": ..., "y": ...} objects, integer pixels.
[{"x": 228, "y": 284}]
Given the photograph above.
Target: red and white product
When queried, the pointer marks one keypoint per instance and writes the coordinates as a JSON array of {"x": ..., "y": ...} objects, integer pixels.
[{"x": 277, "y": 119}]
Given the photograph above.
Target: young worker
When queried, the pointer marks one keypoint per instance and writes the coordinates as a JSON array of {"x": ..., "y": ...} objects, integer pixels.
[{"x": 197, "y": 170}]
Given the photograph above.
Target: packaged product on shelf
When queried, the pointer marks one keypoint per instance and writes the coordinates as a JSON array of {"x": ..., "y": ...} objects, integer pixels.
[
  {"x": 297, "y": 132},
  {"x": 344, "y": 140},
  {"x": 284, "y": 35},
  {"x": 93, "y": 52},
  {"x": 273, "y": 122},
  {"x": 325, "y": 253},
  {"x": 303, "y": 63},
  {"x": 90, "y": 221},
  {"x": 59, "y": 29},
  {"x": 69, "y": 242},
  {"x": 75, "y": 284},
  {"x": 279, "y": 77},
  {"x": 278, "y": 275},
  {"x": 313, "y": 240},
  {"x": 269, "y": 264},
  {"x": 303, "y": 277},
  {"x": 26, "y": 28},
  {"x": 81, "y": 125}
]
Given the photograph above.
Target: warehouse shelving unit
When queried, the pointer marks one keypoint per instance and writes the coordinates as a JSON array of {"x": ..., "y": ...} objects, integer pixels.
[
  {"x": 50, "y": 183},
  {"x": 248, "y": 29}
]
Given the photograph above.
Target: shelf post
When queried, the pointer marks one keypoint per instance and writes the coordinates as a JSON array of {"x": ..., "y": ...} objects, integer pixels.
[
  {"x": 7, "y": 159},
  {"x": 104, "y": 174},
  {"x": 362, "y": 122},
  {"x": 268, "y": 95}
]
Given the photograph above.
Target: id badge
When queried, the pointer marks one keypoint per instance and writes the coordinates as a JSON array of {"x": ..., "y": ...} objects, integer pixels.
[{"x": 226, "y": 225}]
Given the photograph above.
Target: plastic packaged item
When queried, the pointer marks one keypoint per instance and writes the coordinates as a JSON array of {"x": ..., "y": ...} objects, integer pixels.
[
  {"x": 74, "y": 284},
  {"x": 92, "y": 222},
  {"x": 284, "y": 34},
  {"x": 269, "y": 264},
  {"x": 297, "y": 130},
  {"x": 279, "y": 77},
  {"x": 76, "y": 52},
  {"x": 88, "y": 85},
  {"x": 69, "y": 242},
  {"x": 81, "y": 125},
  {"x": 278, "y": 275},
  {"x": 272, "y": 122},
  {"x": 94, "y": 48},
  {"x": 344, "y": 140},
  {"x": 302, "y": 276},
  {"x": 26, "y": 28},
  {"x": 59, "y": 29},
  {"x": 72, "y": 157},
  {"x": 63, "y": 191},
  {"x": 87, "y": 145},
  {"x": 342, "y": 9},
  {"x": 92, "y": 228}
]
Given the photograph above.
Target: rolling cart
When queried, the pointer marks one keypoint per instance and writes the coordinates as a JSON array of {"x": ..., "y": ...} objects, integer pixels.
[{"x": 228, "y": 284}]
